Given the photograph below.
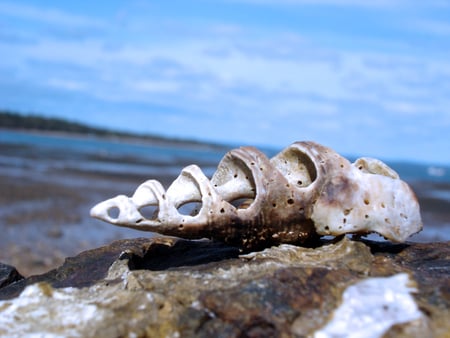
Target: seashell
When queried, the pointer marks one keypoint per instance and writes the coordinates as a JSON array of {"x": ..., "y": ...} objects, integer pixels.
[{"x": 304, "y": 192}]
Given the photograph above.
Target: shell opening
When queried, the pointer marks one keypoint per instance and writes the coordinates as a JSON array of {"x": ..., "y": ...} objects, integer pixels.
[
  {"x": 149, "y": 212},
  {"x": 114, "y": 213}
]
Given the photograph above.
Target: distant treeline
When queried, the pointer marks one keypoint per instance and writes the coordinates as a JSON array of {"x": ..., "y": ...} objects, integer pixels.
[
  {"x": 35, "y": 122},
  {"x": 12, "y": 120}
]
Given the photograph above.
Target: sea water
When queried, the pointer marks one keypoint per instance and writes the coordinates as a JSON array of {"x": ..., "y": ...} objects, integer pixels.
[
  {"x": 90, "y": 153},
  {"x": 116, "y": 154}
]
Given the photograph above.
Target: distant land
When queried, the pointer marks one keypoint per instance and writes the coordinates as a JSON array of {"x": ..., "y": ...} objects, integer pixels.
[{"x": 38, "y": 123}]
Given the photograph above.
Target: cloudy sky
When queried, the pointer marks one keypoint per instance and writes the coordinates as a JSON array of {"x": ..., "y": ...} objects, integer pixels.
[{"x": 363, "y": 77}]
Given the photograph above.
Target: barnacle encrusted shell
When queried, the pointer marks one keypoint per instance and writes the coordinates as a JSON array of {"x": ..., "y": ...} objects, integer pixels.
[{"x": 305, "y": 191}]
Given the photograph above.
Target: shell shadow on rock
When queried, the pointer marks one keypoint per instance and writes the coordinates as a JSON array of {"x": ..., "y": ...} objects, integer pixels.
[{"x": 304, "y": 192}]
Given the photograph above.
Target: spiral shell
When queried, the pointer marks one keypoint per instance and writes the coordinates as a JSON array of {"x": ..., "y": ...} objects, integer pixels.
[{"x": 304, "y": 192}]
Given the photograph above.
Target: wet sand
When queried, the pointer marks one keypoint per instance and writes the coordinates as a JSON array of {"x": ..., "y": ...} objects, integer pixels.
[
  {"x": 45, "y": 219},
  {"x": 44, "y": 216}
]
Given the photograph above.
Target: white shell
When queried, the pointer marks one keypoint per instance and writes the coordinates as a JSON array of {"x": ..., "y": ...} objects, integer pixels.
[{"x": 305, "y": 191}]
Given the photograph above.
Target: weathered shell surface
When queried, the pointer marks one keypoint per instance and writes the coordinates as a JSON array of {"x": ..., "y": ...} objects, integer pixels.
[{"x": 305, "y": 191}]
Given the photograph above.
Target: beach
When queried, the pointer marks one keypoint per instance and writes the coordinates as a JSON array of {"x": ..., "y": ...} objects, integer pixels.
[{"x": 48, "y": 184}]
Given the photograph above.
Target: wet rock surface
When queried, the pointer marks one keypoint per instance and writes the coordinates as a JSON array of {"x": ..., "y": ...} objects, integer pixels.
[{"x": 167, "y": 287}]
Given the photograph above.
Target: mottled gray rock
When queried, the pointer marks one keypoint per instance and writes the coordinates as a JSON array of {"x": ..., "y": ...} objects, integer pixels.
[{"x": 166, "y": 287}]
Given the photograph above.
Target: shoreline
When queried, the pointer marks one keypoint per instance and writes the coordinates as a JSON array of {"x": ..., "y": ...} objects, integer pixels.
[{"x": 161, "y": 141}]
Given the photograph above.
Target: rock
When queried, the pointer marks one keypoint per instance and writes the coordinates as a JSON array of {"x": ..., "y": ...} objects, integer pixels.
[
  {"x": 8, "y": 275},
  {"x": 168, "y": 287}
]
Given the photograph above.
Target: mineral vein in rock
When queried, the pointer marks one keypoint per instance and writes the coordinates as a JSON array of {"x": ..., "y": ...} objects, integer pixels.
[
  {"x": 369, "y": 308},
  {"x": 305, "y": 191}
]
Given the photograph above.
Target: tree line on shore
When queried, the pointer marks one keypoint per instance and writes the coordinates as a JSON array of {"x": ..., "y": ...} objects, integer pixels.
[{"x": 13, "y": 120}]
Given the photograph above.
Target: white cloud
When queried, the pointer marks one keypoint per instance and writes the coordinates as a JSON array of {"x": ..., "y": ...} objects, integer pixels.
[
  {"x": 47, "y": 15},
  {"x": 271, "y": 82},
  {"x": 351, "y": 78},
  {"x": 340, "y": 75},
  {"x": 70, "y": 85},
  {"x": 407, "y": 108},
  {"x": 149, "y": 86},
  {"x": 435, "y": 27}
]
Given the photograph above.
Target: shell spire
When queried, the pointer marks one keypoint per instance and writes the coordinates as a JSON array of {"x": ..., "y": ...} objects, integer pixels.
[{"x": 251, "y": 201}]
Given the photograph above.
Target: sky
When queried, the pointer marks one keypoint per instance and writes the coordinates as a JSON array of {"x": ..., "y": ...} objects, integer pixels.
[{"x": 366, "y": 78}]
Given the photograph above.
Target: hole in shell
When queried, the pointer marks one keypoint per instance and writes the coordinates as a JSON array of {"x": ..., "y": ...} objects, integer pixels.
[
  {"x": 347, "y": 211},
  {"x": 114, "y": 212},
  {"x": 296, "y": 166},
  {"x": 236, "y": 186},
  {"x": 149, "y": 211},
  {"x": 190, "y": 208},
  {"x": 242, "y": 203},
  {"x": 366, "y": 201},
  {"x": 290, "y": 201},
  {"x": 383, "y": 205}
]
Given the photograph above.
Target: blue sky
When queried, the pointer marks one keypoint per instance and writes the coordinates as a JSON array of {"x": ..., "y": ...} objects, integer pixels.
[{"x": 367, "y": 78}]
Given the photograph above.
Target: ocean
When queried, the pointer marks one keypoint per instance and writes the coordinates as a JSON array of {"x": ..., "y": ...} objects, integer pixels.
[
  {"x": 48, "y": 182},
  {"x": 90, "y": 153}
]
